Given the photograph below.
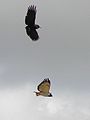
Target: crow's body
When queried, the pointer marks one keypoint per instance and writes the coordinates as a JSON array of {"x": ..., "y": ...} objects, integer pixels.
[{"x": 30, "y": 22}]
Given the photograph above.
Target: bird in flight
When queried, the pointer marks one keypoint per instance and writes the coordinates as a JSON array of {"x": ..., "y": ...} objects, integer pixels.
[
  {"x": 30, "y": 22},
  {"x": 44, "y": 88}
]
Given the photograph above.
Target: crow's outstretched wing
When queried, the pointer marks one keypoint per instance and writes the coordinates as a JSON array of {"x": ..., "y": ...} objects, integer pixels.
[
  {"x": 44, "y": 86},
  {"x": 32, "y": 33},
  {"x": 31, "y": 15}
]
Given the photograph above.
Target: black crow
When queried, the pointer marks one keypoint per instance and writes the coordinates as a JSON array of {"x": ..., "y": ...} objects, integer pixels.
[{"x": 30, "y": 22}]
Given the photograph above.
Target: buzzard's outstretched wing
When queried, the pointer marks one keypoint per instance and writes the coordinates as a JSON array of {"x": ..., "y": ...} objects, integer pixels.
[
  {"x": 44, "y": 86},
  {"x": 31, "y": 15},
  {"x": 32, "y": 33}
]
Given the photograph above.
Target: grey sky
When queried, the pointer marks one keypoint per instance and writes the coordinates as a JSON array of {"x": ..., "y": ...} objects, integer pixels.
[{"x": 62, "y": 53}]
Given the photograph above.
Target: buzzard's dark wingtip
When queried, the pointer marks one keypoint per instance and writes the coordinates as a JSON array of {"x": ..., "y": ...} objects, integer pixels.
[
  {"x": 47, "y": 79},
  {"x": 50, "y": 95}
]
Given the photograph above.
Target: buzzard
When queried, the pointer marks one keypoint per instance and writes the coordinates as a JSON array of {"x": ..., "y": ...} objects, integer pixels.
[
  {"x": 44, "y": 88},
  {"x": 30, "y": 22}
]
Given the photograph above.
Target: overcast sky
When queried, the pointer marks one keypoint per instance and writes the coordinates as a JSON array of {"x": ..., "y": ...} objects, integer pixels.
[{"x": 62, "y": 54}]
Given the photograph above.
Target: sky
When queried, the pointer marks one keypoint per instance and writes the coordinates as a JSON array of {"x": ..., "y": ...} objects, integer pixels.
[{"x": 62, "y": 54}]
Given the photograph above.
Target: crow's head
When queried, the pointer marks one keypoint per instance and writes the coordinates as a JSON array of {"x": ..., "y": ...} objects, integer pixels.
[{"x": 37, "y": 26}]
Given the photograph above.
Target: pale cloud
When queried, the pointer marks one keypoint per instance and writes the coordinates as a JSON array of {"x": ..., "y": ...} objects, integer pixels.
[
  {"x": 16, "y": 104},
  {"x": 21, "y": 103},
  {"x": 52, "y": 107},
  {"x": 67, "y": 108}
]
